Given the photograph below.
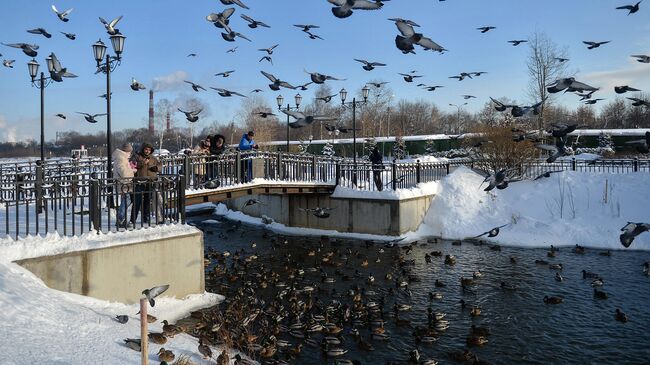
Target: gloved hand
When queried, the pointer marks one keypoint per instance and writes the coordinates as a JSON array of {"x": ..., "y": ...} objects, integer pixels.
[{"x": 153, "y": 169}]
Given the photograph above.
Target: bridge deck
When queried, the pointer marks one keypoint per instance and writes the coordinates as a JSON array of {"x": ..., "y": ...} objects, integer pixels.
[{"x": 221, "y": 194}]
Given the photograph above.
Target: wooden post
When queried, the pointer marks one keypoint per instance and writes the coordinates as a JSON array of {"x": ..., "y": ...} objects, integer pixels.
[{"x": 144, "y": 333}]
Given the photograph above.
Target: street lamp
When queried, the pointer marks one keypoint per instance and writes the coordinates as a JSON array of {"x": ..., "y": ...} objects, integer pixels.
[
  {"x": 43, "y": 82},
  {"x": 109, "y": 65},
  {"x": 280, "y": 100},
  {"x": 344, "y": 94},
  {"x": 458, "y": 113}
]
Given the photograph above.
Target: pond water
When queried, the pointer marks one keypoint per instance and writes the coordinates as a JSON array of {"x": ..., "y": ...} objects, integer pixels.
[{"x": 523, "y": 329}]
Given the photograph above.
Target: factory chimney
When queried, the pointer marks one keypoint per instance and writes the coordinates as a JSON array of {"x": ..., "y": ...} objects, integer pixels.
[{"x": 151, "y": 125}]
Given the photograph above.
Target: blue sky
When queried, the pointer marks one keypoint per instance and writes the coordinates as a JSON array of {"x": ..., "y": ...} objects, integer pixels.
[{"x": 160, "y": 34}]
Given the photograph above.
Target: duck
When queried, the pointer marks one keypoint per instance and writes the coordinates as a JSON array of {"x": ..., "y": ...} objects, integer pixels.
[
  {"x": 450, "y": 260},
  {"x": 599, "y": 294},
  {"x": 439, "y": 284},
  {"x": 508, "y": 286},
  {"x": 456, "y": 243},
  {"x": 435, "y": 296},
  {"x": 204, "y": 350},
  {"x": 335, "y": 352},
  {"x": 558, "y": 277},
  {"x": 477, "y": 274},
  {"x": 166, "y": 355},
  {"x": 552, "y": 300},
  {"x": 223, "y": 358},
  {"x": 589, "y": 275},
  {"x": 476, "y": 340},
  {"x": 620, "y": 316},
  {"x": 426, "y": 340},
  {"x": 555, "y": 267},
  {"x": 607, "y": 253},
  {"x": 379, "y": 336},
  {"x": 597, "y": 282},
  {"x": 157, "y": 338},
  {"x": 475, "y": 312},
  {"x": 579, "y": 249},
  {"x": 550, "y": 254},
  {"x": 170, "y": 330},
  {"x": 541, "y": 262}
]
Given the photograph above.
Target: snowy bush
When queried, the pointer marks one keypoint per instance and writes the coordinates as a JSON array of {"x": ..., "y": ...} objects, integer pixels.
[
  {"x": 399, "y": 148},
  {"x": 328, "y": 149},
  {"x": 369, "y": 145},
  {"x": 430, "y": 147}
]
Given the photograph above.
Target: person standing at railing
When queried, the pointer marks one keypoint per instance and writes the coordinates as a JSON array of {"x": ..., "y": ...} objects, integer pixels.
[
  {"x": 217, "y": 148},
  {"x": 148, "y": 167},
  {"x": 247, "y": 143},
  {"x": 123, "y": 173},
  {"x": 199, "y": 169},
  {"x": 377, "y": 161}
]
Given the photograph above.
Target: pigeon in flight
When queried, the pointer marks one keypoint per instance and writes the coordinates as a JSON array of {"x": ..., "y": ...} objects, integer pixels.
[
  {"x": 269, "y": 50},
  {"x": 592, "y": 45},
  {"x": 90, "y": 118},
  {"x": 104, "y": 96},
  {"x": 257, "y": 91},
  {"x": 40, "y": 31},
  {"x": 492, "y": 233},
  {"x": 486, "y": 29},
  {"x": 499, "y": 106},
  {"x": 250, "y": 202},
  {"x": 318, "y": 212},
  {"x": 70, "y": 36},
  {"x": 306, "y": 27},
  {"x": 303, "y": 87},
  {"x": 432, "y": 88},
  {"x": 547, "y": 174},
  {"x": 642, "y": 145},
  {"x": 586, "y": 96},
  {"x": 62, "y": 15},
  {"x": 378, "y": 84},
  {"x": 640, "y": 102},
  {"x": 344, "y": 8},
  {"x": 520, "y": 111},
  {"x": 226, "y": 93},
  {"x": 225, "y": 73},
  {"x": 559, "y": 130},
  {"x": 154, "y": 292},
  {"x": 462, "y": 76},
  {"x": 231, "y": 35},
  {"x": 303, "y": 120},
  {"x": 327, "y": 98},
  {"x": 561, "y": 60},
  {"x": 265, "y": 114},
  {"x": 62, "y": 116},
  {"x": 623, "y": 89},
  {"x": 110, "y": 27},
  {"x": 369, "y": 66},
  {"x": 191, "y": 116},
  {"x": 408, "y": 38},
  {"x": 632, "y": 8},
  {"x": 592, "y": 101},
  {"x": 252, "y": 23},
  {"x": 631, "y": 230},
  {"x": 497, "y": 180},
  {"x": 136, "y": 86},
  {"x": 410, "y": 77},
  {"x": 467, "y": 97},
  {"x": 234, "y": 2},
  {"x": 221, "y": 20},
  {"x": 318, "y": 78},
  {"x": 276, "y": 83},
  {"x": 477, "y": 74},
  {"x": 570, "y": 84},
  {"x": 642, "y": 58},
  {"x": 515, "y": 43},
  {"x": 266, "y": 58},
  {"x": 232, "y": 50},
  {"x": 556, "y": 150},
  {"x": 192, "y": 55},
  {"x": 8, "y": 63},
  {"x": 59, "y": 72},
  {"x": 195, "y": 87},
  {"x": 314, "y": 36}
]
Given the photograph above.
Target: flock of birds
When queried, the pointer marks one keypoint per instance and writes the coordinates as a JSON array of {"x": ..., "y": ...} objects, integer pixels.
[{"x": 407, "y": 41}]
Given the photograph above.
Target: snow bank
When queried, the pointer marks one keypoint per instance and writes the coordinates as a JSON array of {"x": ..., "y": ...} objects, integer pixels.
[
  {"x": 566, "y": 209},
  {"x": 419, "y": 190},
  {"x": 255, "y": 182}
]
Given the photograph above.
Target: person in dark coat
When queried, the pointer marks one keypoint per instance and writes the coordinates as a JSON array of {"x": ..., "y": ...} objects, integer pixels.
[
  {"x": 217, "y": 148},
  {"x": 377, "y": 161},
  {"x": 148, "y": 166}
]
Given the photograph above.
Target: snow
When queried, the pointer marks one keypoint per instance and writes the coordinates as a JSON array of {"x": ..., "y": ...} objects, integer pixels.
[
  {"x": 422, "y": 189},
  {"x": 566, "y": 209},
  {"x": 253, "y": 183},
  {"x": 581, "y": 157}
]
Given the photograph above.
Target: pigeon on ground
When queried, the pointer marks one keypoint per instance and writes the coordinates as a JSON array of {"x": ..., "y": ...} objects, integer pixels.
[
  {"x": 62, "y": 116},
  {"x": 491, "y": 233},
  {"x": 408, "y": 38},
  {"x": 592, "y": 45},
  {"x": 59, "y": 72},
  {"x": 642, "y": 58},
  {"x": 318, "y": 212},
  {"x": 632, "y": 8},
  {"x": 225, "y": 73},
  {"x": 409, "y": 77},
  {"x": 226, "y": 93},
  {"x": 40, "y": 31},
  {"x": 110, "y": 26},
  {"x": 8, "y": 63},
  {"x": 70, "y": 36},
  {"x": 252, "y": 23},
  {"x": 136, "y": 86},
  {"x": 623, "y": 89},
  {"x": 234, "y": 2},
  {"x": 631, "y": 230},
  {"x": 133, "y": 343},
  {"x": 268, "y": 50},
  {"x": 486, "y": 29},
  {"x": 344, "y": 8},
  {"x": 369, "y": 66},
  {"x": 195, "y": 87},
  {"x": 276, "y": 83},
  {"x": 642, "y": 145},
  {"x": 303, "y": 120},
  {"x": 154, "y": 292},
  {"x": 570, "y": 84},
  {"x": 515, "y": 43},
  {"x": 221, "y": 20},
  {"x": 123, "y": 318},
  {"x": 318, "y": 78},
  {"x": 640, "y": 102},
  {"x": 90, "y": 118},
  {"x": 306, "y": 27},
  {"x": 191, "y": 116},
  {"x": 62, "y": 15}
]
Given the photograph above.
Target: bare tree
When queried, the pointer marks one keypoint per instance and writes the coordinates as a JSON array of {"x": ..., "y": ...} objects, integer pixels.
[
  {"x": 164, "y": 109},
  {"x": 544, "y": 66}
]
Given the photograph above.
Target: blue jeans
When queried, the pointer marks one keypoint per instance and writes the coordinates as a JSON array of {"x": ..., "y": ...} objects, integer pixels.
[{"x": 125, "y": 201}]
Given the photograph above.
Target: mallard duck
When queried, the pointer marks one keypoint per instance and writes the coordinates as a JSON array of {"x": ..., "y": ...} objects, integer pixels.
[
  {"x": 475, "y": 312},
  {"x": 552, "y": 300},
  {"x": 620, "y": 316},
  {"x": 205, "y": 350},
  {"x": 170, "y": 330},
  {"x": 466, "y": 281},
  {"x": 599, "y": 294},
  {"x": 335, "y": 352},
  {"x": 579, "y": 249},
  {"x": 223, "y": 358},
  {"x": 477, "y": 274},
  {"x": 268, "y": 352},
  {"x": 435, "y": 296},
  {"x": 166, "y": 355},
  {"x": 555, "y": 267},
  {"x": 476, "y": 340},
  {"x": 450, "y": 260},
  {"x": 550, "y": 254},
  {"x": 558, "y": 277},
  {"x": 157, "y": 338},
  {"x": 597, "y": 282},
  {"x": 426, "y": 339}
]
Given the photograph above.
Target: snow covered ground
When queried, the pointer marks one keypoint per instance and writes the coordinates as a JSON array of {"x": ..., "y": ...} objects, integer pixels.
[{"x": 422, "y": 189}]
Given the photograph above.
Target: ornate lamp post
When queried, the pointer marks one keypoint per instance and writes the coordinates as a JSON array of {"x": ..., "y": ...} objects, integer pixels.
[
  {"x": 344, "y": 94},
  {"x": 42, "y": 83},
  {"x": 280, "y": 100}
]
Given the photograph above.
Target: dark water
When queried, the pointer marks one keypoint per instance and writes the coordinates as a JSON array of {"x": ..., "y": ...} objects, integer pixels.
[{"x": 523, "y": 329}]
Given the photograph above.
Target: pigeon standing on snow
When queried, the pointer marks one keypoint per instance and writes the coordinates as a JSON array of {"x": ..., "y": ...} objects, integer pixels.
[
  {"x": 154, "y": 292},
  {"x": 631, "y": 230},
  {"x": 62, "y": 15}
]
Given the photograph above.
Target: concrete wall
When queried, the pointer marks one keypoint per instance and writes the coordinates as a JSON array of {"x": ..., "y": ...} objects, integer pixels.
[
  {"x": 374, "y": 216},
  {"x": 120, "y": 273}
]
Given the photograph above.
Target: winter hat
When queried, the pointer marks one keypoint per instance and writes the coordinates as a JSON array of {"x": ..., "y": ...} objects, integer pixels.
[{"x": 126, "y": 147}]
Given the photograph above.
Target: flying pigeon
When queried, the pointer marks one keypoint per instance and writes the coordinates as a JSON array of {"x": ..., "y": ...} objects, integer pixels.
[
  {"x": 556, "y": 150},
  {"x": 561, "y": 60},
  {"x": 302, "y": 119},
  {"x": 257, "y": 91},
  {"x": 59, "y": 72},
  {"x": 250, "y": 202},
  {"x": 104, "y": 96},
  {"x": 225, "y": 73},
  {"x": 252, "y": 23},
  {"x": 515, "y": 43},
  {"x": 136, "y": 86},
  {"x": 623, "y": 89},
  {"x": 592, "y": 101},
  {"x": 369, "y": 66},
  {"x": 192, "y": 116},
  {"x": 234, "y": 2},
  {"x": 642, "y": 58},
  {"x": 231, "y": 35},
  {"x": 499, "y": 106},
  {"x": 314, "y": 36},
  {"x": 467, "y": 97},
  {"x": 62, "y": 116},
  {"x": 640, "y": 102},
  {"x": 266, "y": 58},
  {"x": 642, "y": 145},
  {"x": 547, "y": 174},
  {"x": 344, "y": 8},
  {"x": 8, "y": 63},
  {"x": 264, "y": 114},
  {"x": 154, "y": 292},
  {"x": 327, "y": 98},
  {"x": 559, "y": 130},
  {"x": 276, "y": 83},
  {"x": 592, "y": 45},
  {"x": 62, "y": 15},
  {"x": 303, "y": 87},
  {"x": 432, "y": 88},
  {"x": 232, "y": 50},
  {"x": 268, "y": 50},
  {"x": 569, "y": 84},
  {"x": 520, "y": 111},
  {"x": 221, "y": 20},
  {"x": 408, "y": 38},
  {"x": 491, "y": 233},
  {"x": 631, "y": 230},
  {"x": 195, "y": 87},
  {"x": 90, "y": 118},
  {"x": 306, "y": 28},
  {"x": 378, "y": 84},
  {"x": 409, "y": 77},
  {"x": 497, "y": 180},
  {"x": 192, "y": 55},
  {"x": 110, "y": 27},
  {"x": 226, "y": 93},
  {"x": 632, "y": 8},
  {"x": 70, "y": 36},
  {"x": 318, "y": 78},
  {"x": 486, "y": 29},
  {"x": 586, "y": 96},
  {"x": 40, "y": 31}
]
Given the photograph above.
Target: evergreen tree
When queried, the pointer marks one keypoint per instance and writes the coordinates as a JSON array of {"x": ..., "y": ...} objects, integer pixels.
[
  {"x": 399, "y": 148},
  {"x": 430, "y": 147},
  {"x": 328, "y": 149},
  {"x": 605, "y": 141},
  {"x": 303, "y": 147},
  {"x": 369, "y": 146}
]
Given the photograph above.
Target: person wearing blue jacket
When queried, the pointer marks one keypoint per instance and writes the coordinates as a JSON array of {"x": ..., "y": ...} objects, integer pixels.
[{"x": 247, "y": 143}]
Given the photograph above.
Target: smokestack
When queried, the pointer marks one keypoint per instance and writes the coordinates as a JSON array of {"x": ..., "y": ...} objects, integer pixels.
[
  {"x": 168, "y": 122},
  {"x": 151, "y": 126}
]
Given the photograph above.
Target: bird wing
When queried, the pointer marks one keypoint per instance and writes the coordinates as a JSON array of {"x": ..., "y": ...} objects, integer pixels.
[
  {"x": 589, "y": 43},
  {"x": 629, "y": 227},
  {"x": 242, "y": 36},
  {"x": 55, "y": 63},
  {"x": 54, "y": 9},
  {"x": 428, "y": 43},
  {"x": 157, "y": 290},
  {"x": 103, "y": 21},
  {"x": 71, "y": 75},
  {"x": 182, "y": 111},
  {"x": 287, "y": 85},
  {"x": 67, "y": 12},
  {"x": 238, "y": 94},
  {"x": 247, "y": 18},
  {"x": 337, "y": 2},
  {"x": 228, "y": 13},
  {"x": 98, "y": 115},
  {"x": 218, "y": 89},
  {"x": 86, "y": 114},
  {"x": 269, "y": 76},
  {"x": 295, "y": 114},
  {"x": 16, "y": 45},
  {"x": 405, "y": 28},
  {"x": 366, "y": 5},
  {"x": 626, "y": 7},
  {"x": 582, "y": 86},
  {"x": 356, "y": 59},
  {"x": 34, "y": 31},
  {"x": 238, "y": 2},
  {"x": 115, "y": 21},
  {"x": 547, "y": 147}
]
